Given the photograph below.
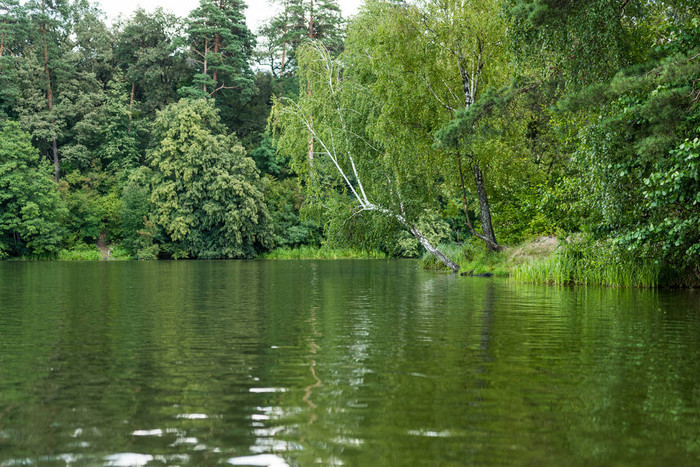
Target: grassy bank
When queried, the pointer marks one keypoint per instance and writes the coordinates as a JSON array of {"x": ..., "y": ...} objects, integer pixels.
[
  {"x": 548, "y": 261},
  {"x": 92, "y": 253},
  {"x": 568, "y": 265},
  {"x": 324, "y": 252}
]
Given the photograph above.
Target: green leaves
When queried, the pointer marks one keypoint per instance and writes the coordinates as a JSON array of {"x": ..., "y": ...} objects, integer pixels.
[
  {"x": 31, "y": 210},
  {"x": 205, "y": 192}
]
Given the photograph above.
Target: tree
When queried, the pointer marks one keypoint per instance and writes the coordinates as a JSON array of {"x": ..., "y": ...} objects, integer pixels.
[
  {"x": 60, "y": 91},
  {"x": 639, "y": 158},
  {"x": 632, "y": 105},
  {"x": 146, "y": 52},
  {"x": 221, "y": 45},
  {"x": 93, "y": 41},
  {"x": 426, "y": 62},
  {"x": 299, "y": 21},
  {"x": 118, "y": 147},
  {"x": 205, "y": 191},
  {"x": 581, "y": 43},
  {"x": 13, "y": 26},
  {"x": 30, "y": 205},
  {"x": 48, "y": 41},
  {"x": 350, "y": 174}
]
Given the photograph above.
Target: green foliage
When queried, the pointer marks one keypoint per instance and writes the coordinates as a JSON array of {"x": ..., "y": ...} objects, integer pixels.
[
  {"x": 579, "y": 42},
  {"x": 641, "y": 176},
  {"x": 430, "y": 224},
  {"x": 135, "y": 198},
  {"x": 572, "y": 116},
  {"x": 118, "y": 148},
  {"x": 205, "y": 192},
  {"x": 119, "y": 253},
  {"x": 671, "y": 195},
  {"x": 13, "y": 28},
  {"x": 80, "y": 252},
  {"x": 323, "y": 252},
  {"x": 284, "y": 201},
  {"x": 31, "y": 209},
  {"x": 146, "y": 52},
  {"x": 284, "y": 33},
  {"x": 267, "y": 159},
  {"x": 94, "y": 207},
  {"x": 250, "y": 121},
  {"x": 473, "y": 258}
]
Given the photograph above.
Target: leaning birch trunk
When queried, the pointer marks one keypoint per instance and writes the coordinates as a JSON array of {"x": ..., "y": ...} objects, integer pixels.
[
  {"x": 348, "y": 169},
  {"x": 434, "y": 251}
]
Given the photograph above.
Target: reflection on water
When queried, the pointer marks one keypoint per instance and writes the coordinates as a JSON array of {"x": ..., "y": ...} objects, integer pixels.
[{"x": 339, "y": 363}]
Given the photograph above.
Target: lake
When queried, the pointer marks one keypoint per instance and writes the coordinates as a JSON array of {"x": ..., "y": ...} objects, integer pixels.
[{"x": 359, "y": 363}]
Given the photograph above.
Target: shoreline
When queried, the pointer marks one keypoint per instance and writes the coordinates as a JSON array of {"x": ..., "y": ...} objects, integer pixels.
[{"x": 540, "y": 261}]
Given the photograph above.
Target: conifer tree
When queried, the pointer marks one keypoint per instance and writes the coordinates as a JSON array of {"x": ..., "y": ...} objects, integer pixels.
[
  {"x": 146, "y": 52},
  {"x": 298, "y": 21},
  {"x": 221, "y": 46}
]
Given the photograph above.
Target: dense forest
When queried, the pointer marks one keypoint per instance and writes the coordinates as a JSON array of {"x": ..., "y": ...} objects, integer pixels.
[{"x": 413, "y": 126}]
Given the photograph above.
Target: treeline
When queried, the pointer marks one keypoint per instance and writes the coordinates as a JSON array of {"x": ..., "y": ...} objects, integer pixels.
[
  {"x": 415, "y": 124},
  {"x": 153, "y": 129}
]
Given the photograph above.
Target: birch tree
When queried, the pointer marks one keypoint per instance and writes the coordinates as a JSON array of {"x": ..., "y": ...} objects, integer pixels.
[
  {"x": 349, "y": 167},
  {"x": 426, "y": 61}
]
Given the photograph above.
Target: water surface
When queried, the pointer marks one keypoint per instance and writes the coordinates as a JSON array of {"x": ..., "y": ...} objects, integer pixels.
[{"x": 357, "y": 363}]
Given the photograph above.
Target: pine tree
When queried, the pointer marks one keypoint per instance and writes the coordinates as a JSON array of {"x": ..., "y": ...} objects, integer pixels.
[
  {"x": 298, "y": 21},
  {"x": 13, "y": 28},
  {"x": 49, "y": 40},
  {"x": 146, "y": 53},
  {"x": 221, "y": 46}
]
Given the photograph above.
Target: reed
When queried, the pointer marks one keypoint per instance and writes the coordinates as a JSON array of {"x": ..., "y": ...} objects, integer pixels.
[
  {"x": 590, "y": 264},
  {"x": 579, "y": 261}
]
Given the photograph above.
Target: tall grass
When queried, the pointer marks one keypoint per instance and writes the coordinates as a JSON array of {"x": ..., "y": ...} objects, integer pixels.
[
  {"x": 120, "y": 254},
  {"x": 81, "y": 253},
  {"x": 323, "y": 252},
  {"x": 581, "y": 261},
  {"x": 589, "y": 263},
  {"x": 451, "y": 250}
]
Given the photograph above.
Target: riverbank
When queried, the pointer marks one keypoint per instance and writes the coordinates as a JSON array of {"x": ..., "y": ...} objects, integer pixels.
[
  {"x": 113, "y": 252},
  {"x": 83, "y": 252},
  {"x": 571, "y": 261},
  {"x": 543, "y": 260}
]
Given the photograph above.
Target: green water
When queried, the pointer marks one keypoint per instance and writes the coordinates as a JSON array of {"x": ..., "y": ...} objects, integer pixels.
[{"x": 359, "y": 363}]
